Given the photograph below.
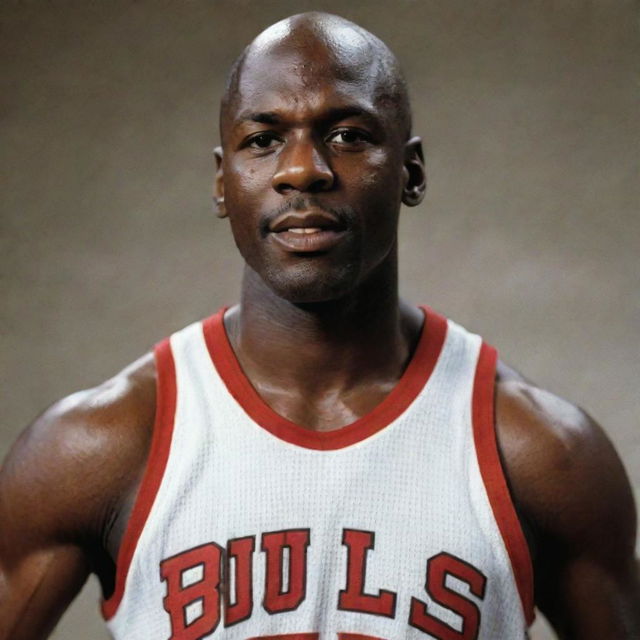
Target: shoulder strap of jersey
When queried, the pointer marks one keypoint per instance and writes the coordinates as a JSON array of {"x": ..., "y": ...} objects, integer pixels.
[
  {"x": 154, "y": 470},
  {"x": 484, "y": 434}
]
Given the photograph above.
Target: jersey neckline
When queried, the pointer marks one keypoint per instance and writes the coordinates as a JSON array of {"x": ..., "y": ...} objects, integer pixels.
[{"x": 412, "y": 381}]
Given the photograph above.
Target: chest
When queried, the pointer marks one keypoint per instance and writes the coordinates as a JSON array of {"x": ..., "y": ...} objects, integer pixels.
[{"x": 382, "y": 529}]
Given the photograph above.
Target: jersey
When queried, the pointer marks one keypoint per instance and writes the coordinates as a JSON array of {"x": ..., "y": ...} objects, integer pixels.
[{"x": 249, "y": 526}]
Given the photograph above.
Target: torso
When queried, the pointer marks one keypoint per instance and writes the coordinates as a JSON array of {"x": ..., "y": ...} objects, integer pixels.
[{"x": 219, "y": 531}]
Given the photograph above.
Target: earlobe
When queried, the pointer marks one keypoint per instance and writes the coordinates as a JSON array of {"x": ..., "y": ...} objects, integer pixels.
[
  {"x": 218, "y": 185},
  {"x": 415, "y": 176}
]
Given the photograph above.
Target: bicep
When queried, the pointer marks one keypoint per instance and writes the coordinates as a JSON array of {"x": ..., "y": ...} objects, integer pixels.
[
  {"x": 586, "y": 599},
  {"x": 589, "y": 583},
  {"x": 41, "y": 567},
  {"x": 36, "y": 586},
  {"x": 44, "y": 518}
]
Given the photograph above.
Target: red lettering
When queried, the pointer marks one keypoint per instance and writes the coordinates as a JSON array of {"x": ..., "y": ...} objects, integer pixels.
[
  {"x": 438, "y": 568},
  {"x": 205, "y": 591},
  {"x": 276, "y": 598},
  {"x": 353, "y": 598},
  {"x": 241, "y": 551}
]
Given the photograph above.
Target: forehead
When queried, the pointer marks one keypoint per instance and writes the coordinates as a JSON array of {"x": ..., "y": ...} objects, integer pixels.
[{"x": 308, "y": 77}]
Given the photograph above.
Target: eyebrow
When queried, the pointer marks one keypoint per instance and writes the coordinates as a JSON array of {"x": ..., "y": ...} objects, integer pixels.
[
  {"x": 264, "y": 117},
  {"x": 334, "y": 114}
]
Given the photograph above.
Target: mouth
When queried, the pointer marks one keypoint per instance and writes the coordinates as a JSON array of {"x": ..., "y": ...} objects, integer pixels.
[{"x": 310, "y": 231}]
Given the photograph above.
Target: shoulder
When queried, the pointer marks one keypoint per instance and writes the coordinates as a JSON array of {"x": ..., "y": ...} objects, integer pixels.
[
  {"x": 567, "y": 481},
  {"x": 562, "y": 467},
  {"x": 68, "y": 471}
]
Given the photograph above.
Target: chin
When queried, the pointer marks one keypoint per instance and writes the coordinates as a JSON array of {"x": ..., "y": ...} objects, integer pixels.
[{"x": 308, "y": 286}]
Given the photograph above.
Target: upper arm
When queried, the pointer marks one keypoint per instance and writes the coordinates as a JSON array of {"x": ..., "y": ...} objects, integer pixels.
[
  {"x": 60, "y": 486},
  {"x": 572, "y": 491},
  {"x": 42, "y": 561}
]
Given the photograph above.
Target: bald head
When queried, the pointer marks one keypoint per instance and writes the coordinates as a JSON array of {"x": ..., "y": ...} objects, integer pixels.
[{"x": 320, "y": 44}]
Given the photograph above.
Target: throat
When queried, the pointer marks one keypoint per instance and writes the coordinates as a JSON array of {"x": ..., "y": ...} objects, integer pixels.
[{"x": 318, "y": 377}]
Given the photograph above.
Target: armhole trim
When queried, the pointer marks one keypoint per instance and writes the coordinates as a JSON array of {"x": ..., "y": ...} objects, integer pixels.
[
  {"x": 484, "y": 434},
  {"x": 153, "y": 473}
]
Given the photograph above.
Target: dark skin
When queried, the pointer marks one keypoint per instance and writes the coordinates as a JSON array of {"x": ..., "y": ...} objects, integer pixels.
[{"x": 323, "y": 337}]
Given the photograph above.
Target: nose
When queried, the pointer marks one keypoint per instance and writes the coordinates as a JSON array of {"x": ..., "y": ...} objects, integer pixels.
[{"x": 302, "y": 167}]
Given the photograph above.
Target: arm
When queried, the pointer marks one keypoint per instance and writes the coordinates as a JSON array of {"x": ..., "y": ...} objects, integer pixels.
[
  {"x": 574, "y": 497},
  {"x": 62, "y": 489}
]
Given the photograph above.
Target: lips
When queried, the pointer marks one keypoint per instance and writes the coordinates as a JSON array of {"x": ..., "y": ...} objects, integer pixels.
[{"x": 309, "y": 231}]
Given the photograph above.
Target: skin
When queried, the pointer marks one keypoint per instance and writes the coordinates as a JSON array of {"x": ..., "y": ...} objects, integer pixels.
[{"x": 323, "y": 337}]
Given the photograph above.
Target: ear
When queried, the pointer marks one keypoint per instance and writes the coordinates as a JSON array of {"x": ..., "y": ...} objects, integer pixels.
[
  {"x": 218, "y": 185},
  {"x": 415, "y": 175}
]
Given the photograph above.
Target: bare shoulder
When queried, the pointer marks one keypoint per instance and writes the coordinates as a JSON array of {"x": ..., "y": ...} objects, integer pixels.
[
  {"x": 574, "y": 496},
  {"x": 563, "y": 468},
  {"x": 62, "y": 489},
  {"x": 67, "y": 471}
]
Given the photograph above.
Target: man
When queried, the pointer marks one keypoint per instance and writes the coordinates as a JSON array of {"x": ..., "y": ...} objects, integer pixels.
[{"x": 322, "y": 460}]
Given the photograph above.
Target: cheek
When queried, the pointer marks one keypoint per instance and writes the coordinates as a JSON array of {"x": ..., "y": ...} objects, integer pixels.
[
  {"x": 380, "y": 173},
  {"x": 240, "y": 201},
  {"x": 376, "y": 184},
  {"x": 242, "y": 178},
  {"x": 244, "y": 194},
  {"x": 380, "y": 182}
]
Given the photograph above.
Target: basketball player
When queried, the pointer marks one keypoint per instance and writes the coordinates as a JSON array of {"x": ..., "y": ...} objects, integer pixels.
[{"x": 321, "y": 461}]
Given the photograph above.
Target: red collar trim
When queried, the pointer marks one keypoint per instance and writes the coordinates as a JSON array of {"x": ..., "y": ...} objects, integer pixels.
[{"x": 403, "y": 394}]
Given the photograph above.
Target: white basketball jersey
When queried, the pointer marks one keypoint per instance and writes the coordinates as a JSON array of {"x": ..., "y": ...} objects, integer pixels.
[{"x": 398, "y": 526}]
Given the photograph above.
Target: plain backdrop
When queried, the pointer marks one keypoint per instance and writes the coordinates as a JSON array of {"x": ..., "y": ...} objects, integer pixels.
[{"x": 529, "y": 235}]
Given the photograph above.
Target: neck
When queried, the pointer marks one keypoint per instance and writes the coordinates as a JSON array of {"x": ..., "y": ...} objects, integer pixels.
[{"x": 367, "y": 336}]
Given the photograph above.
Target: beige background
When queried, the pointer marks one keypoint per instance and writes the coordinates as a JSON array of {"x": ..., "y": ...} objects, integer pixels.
[{"x": 530, "y": 233}]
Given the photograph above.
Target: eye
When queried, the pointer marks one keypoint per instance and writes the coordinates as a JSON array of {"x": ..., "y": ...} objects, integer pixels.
[
  {"x": 263, "y": 141},
  {"x": 348, "y": 137}
]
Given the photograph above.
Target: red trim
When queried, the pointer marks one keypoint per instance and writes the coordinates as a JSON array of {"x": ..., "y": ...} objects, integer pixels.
[
  {"x": 154, "y": 470},
  {"x": 403, "y": 394},
  {"x": 494, "y": 480}
]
